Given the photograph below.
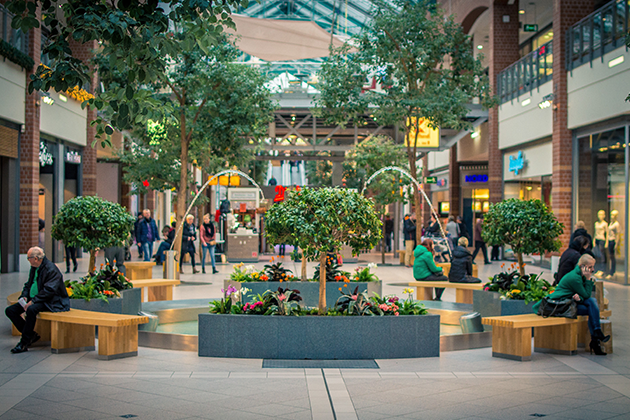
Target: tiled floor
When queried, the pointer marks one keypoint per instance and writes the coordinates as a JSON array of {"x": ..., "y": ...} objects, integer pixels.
[{"x": 162, "y": 384}]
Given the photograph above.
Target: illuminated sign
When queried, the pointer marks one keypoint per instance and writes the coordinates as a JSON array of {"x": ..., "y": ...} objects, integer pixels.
[
  {"x": 476, "y": 178},
  {"x": 430, "y": 180},
  {"x": 530, "y": 28},
  {"x": 72, "y": 156},
  {"x": 517, "y": 163},
  {"x": 441, "y": 182},
  {"x": 427, "y": 138},
  {"x": 45, "y": 157}
]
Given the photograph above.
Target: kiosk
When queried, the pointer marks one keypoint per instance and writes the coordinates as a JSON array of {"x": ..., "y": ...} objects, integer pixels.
[{"x": 243, "y": 230}]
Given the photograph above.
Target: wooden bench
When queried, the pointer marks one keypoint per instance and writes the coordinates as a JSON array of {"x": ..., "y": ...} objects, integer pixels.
[
  {"x": 139, "y": 269},
  {"x": 446, "y": 268},
  {"x": 424, "y": 289},
  {"x": 512, "y": 335},
  {"x": 401, "y": 254},
  {"x": 158, "y": 289},
  {"x": 74, "y": 331}
]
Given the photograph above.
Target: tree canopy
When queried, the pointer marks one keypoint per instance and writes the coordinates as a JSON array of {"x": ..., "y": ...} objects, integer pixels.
[{"x": 528, "y": 226}]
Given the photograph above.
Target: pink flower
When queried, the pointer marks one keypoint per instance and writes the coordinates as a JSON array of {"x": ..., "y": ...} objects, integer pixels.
[
  {"x": 282, "y": 297},
  {"x": 354, "y": 297},
  {"x": 383, "y": 306},
  {"x": 396, "y": 313}
]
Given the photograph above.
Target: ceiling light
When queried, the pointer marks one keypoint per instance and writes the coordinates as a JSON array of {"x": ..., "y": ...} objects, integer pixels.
[
  {"x": 526, "y": 102},
  {"x": 474, "y": 135},
  {"x": 616, "y": 61},
  {"x": 521, "y": 12},
  {"x": 480, "y": 47},
  {"x": 63, "y": 98}
]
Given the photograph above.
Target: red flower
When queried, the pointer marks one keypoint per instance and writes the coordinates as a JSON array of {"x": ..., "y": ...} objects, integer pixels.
[{"x": 145, "y": 183}]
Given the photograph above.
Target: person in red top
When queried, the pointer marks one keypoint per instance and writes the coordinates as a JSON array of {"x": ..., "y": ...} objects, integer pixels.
[{"x": 208, "y": 243}]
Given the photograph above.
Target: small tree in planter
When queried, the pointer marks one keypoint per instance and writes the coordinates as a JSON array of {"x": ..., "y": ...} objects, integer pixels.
[
  {"x": 320, "y": 221},
  {"x": 92, "y": 223},
  {"x": 528, "y": 226}
]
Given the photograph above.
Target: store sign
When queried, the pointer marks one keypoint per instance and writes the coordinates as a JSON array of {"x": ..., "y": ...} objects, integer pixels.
[
  {"x": 45, "y": 157},
  {"x": 441, "y": 182},
  {"x": 476, "y": 178},
  {"x": 530, "y": 27},
  {"x": 517, "y": 163},
  {"x": 425, "y": 138},
  {"x": 430, "y": 180},
  {"x": 72, "y": 156}
]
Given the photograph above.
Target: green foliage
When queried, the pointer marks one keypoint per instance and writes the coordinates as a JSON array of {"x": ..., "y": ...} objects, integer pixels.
[
  {"x": 136, "y": 35},
  {"x": 276, "y": 272},
  {"x": 13, "y": 54},
  {"x": 110, "y": 278},
  {"x": 90, "y": 287},
  {"x": 364, "y": 274},
  {"x": 528, "y": 226},
  {"x": 281, "y": 302},
  {"x": 91, "y": 222},
  {"x": 333, "y": 271},
  {"x": 513, "y": 285},
  {"x": 321, "y": 221},
  {"x": 359, "y": 304}
]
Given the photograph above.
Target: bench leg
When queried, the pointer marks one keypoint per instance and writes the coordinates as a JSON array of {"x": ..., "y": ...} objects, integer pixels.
[
  {"x": 68, "y": 338},
  {"x": 584, "y": 336},
  {"x": 160, "y": 293},
  {"x": 424, "y": 293},
  {"x": 117, "y": 342},
  {"x": 560, "y": 339},
  {"x": 463, "y": 296},
  {"x": 512, "y": 343}
]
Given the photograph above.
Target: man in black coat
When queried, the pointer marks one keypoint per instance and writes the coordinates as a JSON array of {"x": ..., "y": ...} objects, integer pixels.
[
  {"x": 461, "y": 265},
  {"x": 44, "y": 291},
  {"x": 570, "y": 257}
]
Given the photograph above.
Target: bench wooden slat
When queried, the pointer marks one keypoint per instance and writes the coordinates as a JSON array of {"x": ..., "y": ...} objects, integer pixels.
[
  {"x": 101, "y": 319},
  {"x": 533, "y": 320},
  {"x": 445, "y": 284},
  {"x": 154, "y": 282}
]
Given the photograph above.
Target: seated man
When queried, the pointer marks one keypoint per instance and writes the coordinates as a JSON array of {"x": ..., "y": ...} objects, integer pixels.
[
  {"x": 44, "y": 291},
  {"x": 168, "y": 234}
]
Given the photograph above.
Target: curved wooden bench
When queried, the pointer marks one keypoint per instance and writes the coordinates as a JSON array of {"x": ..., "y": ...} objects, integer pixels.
[
  {"x": 158, "y": 289},
  {"x": 424, "y": 289},
  {"x": 512, "y": 335}
]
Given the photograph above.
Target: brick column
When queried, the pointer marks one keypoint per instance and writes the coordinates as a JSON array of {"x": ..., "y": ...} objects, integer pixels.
[
  {"x": 29, "y": 156},
  {"x": 504, "y": 50},
  {"x": 125, "y": 200},
  {"x": 565, "y": 14},
  {"x": 453, "y": 179},
  {"x": 84, "y": 53}
]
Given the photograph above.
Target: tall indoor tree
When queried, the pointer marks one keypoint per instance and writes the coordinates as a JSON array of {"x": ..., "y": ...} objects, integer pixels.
[{"x": 425, "y": 69}]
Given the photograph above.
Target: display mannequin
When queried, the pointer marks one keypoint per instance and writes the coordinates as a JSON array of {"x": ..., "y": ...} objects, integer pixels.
[
  {"x": 613, "y": 233},
  {"x": 600, "y": 242}
]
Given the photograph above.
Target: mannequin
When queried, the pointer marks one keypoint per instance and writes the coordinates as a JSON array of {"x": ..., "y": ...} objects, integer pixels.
[
  {"x": 613, "y": 233},
  {"x": 600, "y": 242}
]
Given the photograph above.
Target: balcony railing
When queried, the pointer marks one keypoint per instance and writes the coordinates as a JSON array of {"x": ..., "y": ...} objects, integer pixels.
[
  {"x": 14, "y": 37},
  {"x": 526, "y": 74},
  {"x": 600, "y": 32}
]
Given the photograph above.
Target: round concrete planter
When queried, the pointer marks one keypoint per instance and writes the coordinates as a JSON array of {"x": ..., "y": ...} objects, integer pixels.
[
  {"x": 309, "y": 290},
  {"x": 319, "y": 337},
  {"x": 129, "y": 303},
  {"x": 491, "y": 304}
]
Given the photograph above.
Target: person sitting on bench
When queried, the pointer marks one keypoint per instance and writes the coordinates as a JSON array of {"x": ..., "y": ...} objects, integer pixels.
[
  {"x": 578, "y": 285},
  {"x": 44, "y": 291},
  {"x": 424, "y": 268},
  {"x": 461, "y": 265}
]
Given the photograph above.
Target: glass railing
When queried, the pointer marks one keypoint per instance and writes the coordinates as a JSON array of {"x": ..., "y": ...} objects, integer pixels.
[
  {"x": 526, "y": 74},
  {"x": 598, "y": 33}
]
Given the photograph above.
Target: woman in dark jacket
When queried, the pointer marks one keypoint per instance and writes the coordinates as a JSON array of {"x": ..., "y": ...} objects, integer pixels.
[
  {"x": 463, "y": 230},
  {"x": 461, "y": 265},
  {"x": 580, "y": 230},
  {"x": 189, "y": 234},
  {"x": 570, "y": 257}
]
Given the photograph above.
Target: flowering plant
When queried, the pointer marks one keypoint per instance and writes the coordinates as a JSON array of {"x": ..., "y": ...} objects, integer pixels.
[
  {"x": 230, "y": 303},
  {"x": 276, "y": 272},
  {"x": 513, "y": 285},
  {"x": 280, "y": 302},
  {"x": 364, "y": 274},
  {"x": 248, "y": 273},
  {"x": 359, "y": 304}
]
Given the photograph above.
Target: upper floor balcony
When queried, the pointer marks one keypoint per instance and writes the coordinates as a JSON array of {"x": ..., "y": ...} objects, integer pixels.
[{"x": 526, "y": 74}]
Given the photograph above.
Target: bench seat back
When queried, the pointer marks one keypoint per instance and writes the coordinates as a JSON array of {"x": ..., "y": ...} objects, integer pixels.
[{"x": 101, "y": 319}]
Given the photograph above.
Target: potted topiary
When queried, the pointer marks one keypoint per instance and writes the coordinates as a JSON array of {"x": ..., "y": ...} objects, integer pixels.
[{"x": 92, "y": 223}]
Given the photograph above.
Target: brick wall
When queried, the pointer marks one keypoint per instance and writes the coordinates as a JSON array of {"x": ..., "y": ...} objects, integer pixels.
[
  {"x": 504, "y": 50},
  {"x": 565, "y": 14},
  {"x": 453, "y": 178},
  {"x": 29, "y": 156}
]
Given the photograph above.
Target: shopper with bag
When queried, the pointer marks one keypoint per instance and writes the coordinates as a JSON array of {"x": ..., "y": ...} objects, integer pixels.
[
  {"x": 577, "y": 286},
  {"x": 208, "y": 243}
]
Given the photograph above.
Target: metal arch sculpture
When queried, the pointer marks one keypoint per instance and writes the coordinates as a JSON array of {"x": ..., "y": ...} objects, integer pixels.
[
  {"x": 419, "y": 186},
  {"x": 216, "y": 176}
]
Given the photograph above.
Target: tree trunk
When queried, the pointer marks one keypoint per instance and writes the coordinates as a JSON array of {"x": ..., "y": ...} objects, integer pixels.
[
  {"x": 322, "y": 283},
  {"x": 521, "y": 266},
  {"x": 383, "y": 243},
  {"x": 303, "y": 267},
  {"x": 92, "y": 265},
  {"x": 182, "y": 192}
]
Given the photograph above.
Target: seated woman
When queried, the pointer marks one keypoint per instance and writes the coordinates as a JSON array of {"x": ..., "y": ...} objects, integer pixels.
[
  {"x": 424, "y": 268},
  {"x": 578, "y": 285},
  {"x": 461, "y": 265},
  {"x": 570, "y": 257},
  {"x": 165, "y": 245}
]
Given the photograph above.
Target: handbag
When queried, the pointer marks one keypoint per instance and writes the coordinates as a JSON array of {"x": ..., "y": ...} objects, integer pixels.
[
  {"x": 564, "y": 308},
  {"x": 212, "y": 242}
]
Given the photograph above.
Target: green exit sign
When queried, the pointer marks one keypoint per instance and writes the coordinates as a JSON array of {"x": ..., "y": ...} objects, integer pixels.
[
  {"x": 430, "y": 179},
  {"x": 530, "y": 28}
]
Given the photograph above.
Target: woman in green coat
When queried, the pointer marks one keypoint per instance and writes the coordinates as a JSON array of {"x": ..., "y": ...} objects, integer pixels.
[
  {"x": 424, "y": 268},
  {"x": 578, "y": 285}
]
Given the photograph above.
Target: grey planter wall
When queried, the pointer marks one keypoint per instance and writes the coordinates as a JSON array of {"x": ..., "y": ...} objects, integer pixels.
[
  {"x": 490, "y": 304},
  {"x": 130, "y": 303},
  {"x": 319, "y": 337},
  {"x": 309, "y": 290}
]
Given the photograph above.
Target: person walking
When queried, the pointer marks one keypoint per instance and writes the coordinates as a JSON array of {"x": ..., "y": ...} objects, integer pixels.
[
  {"x": 463, "y": 230},
  {"x": 389, "y": 230},
  {"x": 71, "y": 254},
  {"x": 136, "y": 234},
  {"x": 208, "y": 243},
  {"x": 479, "y": 243},
  {"x": 189, "y": 235},
  {"x": 424, "y": 268},
  {"x": 452, "y": 228},
  {"x": 148, "y": 234},
  {"x": 409, "y": 233},
  {"x": 461, "y": 265},
  {"x": 43, "y": 292}
]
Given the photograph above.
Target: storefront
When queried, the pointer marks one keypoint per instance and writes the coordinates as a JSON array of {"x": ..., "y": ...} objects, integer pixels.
[
  {"x": 9, "y": 193},
  {"x": 475, "y": 194},
  {"x": 440, "y": 194},
  {"x": 527, "y": 172},
  {"x": 600, "y": 198}
]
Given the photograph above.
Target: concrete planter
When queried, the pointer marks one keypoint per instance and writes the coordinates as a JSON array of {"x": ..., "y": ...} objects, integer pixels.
[
  {"x": 318, "y": 337},
  {"x": 129, "y": 303},
  {"x": 490, "y": 304},
  {"x": 309, "y": 290}
]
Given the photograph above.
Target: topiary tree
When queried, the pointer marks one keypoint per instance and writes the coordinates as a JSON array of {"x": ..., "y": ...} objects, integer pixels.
[
  {"x": 320, "y": 221},
  {"x": 92, "y": 223},
  {"x": 528, "y": 226}
]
